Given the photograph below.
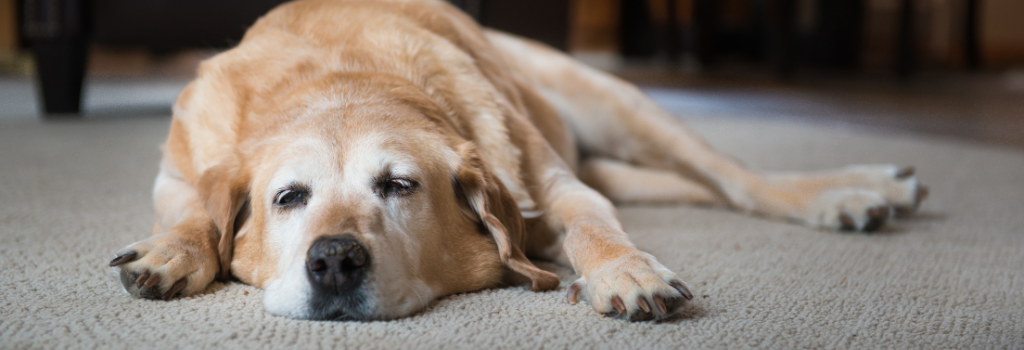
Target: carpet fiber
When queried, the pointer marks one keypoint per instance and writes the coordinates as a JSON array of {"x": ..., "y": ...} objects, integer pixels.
[{"x": 73, "y": 192}]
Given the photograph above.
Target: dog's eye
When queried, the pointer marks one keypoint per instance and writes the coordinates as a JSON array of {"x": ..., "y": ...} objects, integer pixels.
[
  {"x": 290, "y": 197},
  {"x": 396, "y": 187}
]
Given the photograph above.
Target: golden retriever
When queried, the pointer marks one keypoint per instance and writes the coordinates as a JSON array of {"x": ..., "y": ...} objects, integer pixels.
[{"x": 359, "y": 159}]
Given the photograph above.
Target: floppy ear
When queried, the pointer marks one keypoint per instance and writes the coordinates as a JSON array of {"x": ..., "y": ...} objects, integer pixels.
[
  {"x": 223, "y": 190},
  {"x": 496, "y": 210}
]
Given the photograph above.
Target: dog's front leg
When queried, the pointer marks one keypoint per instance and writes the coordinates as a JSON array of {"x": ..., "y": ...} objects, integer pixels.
[
  {"x": 617, "y": 278},
  {"x": 181, "y": 257}
]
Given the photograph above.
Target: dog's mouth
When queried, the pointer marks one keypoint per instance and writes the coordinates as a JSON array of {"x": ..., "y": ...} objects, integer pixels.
[{"x": 354, "y": 305}]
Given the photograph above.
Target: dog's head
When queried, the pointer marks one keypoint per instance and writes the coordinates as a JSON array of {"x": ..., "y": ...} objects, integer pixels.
[{"x": 363, "y": 202}]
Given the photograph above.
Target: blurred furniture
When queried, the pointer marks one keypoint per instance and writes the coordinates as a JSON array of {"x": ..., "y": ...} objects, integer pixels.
[
  {"x": 771, "y": 30},
  {"x": 59, "y": 31},
  {"x": 546, "y": 21},
  {"x": 8, "y": 26}
]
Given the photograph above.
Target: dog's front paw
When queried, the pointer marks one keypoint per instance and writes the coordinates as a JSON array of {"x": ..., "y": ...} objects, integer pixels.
[
  {"x": 634, "y": 287},
  {"x": 165, "y": 266}
]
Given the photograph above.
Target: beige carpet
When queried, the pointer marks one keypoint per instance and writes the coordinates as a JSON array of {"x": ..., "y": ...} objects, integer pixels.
[{"x": 72, "y": 192}]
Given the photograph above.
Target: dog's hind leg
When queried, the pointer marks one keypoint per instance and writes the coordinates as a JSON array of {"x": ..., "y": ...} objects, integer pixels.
[
  {"x": 625, "y": 183},
  {"x": 611, "y": 118}
]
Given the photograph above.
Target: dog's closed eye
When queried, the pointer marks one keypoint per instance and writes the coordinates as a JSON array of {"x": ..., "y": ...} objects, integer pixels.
[
  {"x": 291, "y": 196},
  {"x": 395, "y": 186}
]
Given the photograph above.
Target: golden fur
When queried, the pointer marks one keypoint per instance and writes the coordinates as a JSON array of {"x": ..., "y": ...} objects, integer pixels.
[{"x": 333, "y": 95}]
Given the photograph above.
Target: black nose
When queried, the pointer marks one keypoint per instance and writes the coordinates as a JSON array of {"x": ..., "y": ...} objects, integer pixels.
[{"x": 336, "y": 263}]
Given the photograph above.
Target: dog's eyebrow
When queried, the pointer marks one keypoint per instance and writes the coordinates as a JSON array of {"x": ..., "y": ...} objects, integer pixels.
[
  {"x": 392, "y": 166},
  {"x": 384, "y": 174},
  {"x": 294, "y": 186}
]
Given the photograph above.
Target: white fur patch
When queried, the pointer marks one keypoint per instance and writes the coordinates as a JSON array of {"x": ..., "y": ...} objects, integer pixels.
[{"x": 289, "y": 295}]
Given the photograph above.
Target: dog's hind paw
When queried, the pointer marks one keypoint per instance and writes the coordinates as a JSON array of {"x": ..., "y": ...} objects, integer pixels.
[
  {"x": 165, "y": 266},
  {"x": 861, "y": 198},
  {"x": 635, "y": 287},
  {"x": 849, "y": 209}
]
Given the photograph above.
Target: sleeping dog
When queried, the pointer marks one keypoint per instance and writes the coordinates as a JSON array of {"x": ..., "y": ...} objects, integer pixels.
[{"x": 359, "y": 159}]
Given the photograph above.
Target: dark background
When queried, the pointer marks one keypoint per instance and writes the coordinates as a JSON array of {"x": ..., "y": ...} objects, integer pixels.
[{"x": 950, "y": 67}]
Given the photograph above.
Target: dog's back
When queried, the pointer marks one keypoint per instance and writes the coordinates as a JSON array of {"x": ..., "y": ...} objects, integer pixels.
[{"x": 428, "y": 43}]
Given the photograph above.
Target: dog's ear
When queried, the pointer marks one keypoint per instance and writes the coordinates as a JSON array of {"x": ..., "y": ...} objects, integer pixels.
[
  {"x": 485, "y": 197},
  {"x": 223, "y": 189}
]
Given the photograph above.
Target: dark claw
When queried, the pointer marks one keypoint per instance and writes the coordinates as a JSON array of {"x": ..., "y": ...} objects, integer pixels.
[
  {"x": 877, "y": 217},
  {"x": 618, "y": 305},
  {"x": 660, "y": 305},
  {"x": 139, "y": 282},
  {"x": 175, "y": 288},
  {"x": 922, "y": 194},
  {"x": 644, "y": 305},
  {"x": 905, "y": 172},
  {"x": 152, "y": 281},
  {"x": 126, "y": 258},
  {"x": 681, "y": 288},
  {"x": 847, "y": 222},
  {"x": 574, "y": 292}
]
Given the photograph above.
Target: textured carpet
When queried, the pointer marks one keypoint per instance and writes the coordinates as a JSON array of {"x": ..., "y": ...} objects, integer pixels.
[{"x": 72, "y": 192}]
